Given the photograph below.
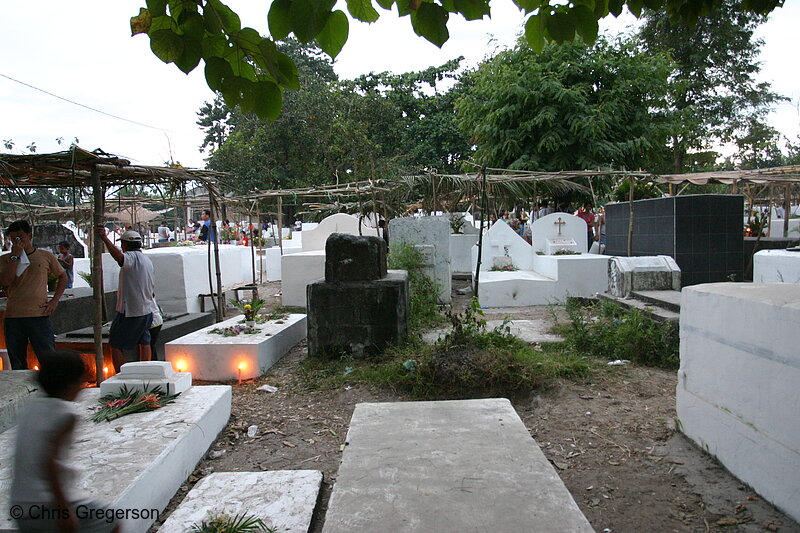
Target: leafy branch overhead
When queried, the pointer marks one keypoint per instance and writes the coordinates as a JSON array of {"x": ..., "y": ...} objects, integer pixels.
[{"x": 250, "y": 71}]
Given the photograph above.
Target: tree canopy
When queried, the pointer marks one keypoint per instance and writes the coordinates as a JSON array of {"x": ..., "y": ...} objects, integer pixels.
[{"x": 250, "y": 70}]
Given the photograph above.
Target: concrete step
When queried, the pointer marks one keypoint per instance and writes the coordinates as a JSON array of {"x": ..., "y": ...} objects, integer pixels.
[
  {"x": 670, "y": 300},
  {"x": 282, "y": 499},
  {"x": 656, "y": 313},
  {"x": 447, "y": 467}
]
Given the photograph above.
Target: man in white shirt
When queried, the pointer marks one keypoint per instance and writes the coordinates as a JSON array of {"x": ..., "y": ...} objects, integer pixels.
[{"x": 130, "y": 330}]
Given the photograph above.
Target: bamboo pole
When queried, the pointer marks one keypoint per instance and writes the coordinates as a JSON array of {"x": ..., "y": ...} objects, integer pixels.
[
  {"x": 480, "y": 233},
  {"x": 251, "y": 229},
  {"x": 220, "y": 295},
  {"x": 787, "y": 208},
  {"x": 280, "y": 224},
  {"x": 630, "y": 218},
  {"x": 97, "y": 277}
]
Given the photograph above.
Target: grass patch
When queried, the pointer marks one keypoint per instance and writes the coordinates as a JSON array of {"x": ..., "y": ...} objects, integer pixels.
[
  {"x": 423, "y": 292},
  {"x": 470, "y": 362},
  {"x": 605, "y": 330},
  {"x": 288, "y": 310}
]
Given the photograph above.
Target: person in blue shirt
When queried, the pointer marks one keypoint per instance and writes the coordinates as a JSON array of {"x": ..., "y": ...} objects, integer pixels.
[{"x": 207, "y": 233}]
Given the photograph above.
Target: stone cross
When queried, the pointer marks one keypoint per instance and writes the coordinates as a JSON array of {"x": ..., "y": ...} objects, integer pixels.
[{"x": 559, "y": 223}]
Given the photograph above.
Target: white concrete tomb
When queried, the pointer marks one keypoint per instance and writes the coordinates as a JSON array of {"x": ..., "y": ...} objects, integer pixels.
[
  {"x": 776, "y": 266},
  {"x": 297, "y": 271},
  {"x": 559, "y": 231},
  {"x": 502, "y": 241},
  {"x": 213, "y": 357},
  {"x": 282, "y": 499},
  {"x": 738, "y": 395},
  {"x": 147, "y": 374},
  {"x": 315, "y": 239},
  {"x": 431, "y": 235}
]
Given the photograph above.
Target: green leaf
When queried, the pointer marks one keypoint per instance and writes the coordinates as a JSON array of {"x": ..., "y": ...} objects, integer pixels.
[
  {"x": 615, "y": 7},
  {"x": 528, "y": 5},
  {"x": 279, "y": 65},
  {"x": 653, "y": 4},
  {"x": 585, "y": 23},
  {"x": 166, "y": 45},
  {"x": 193, "y": 26},
  {"x": 308, "y": 17},
  {"x": 228, "y": 19},
  {"x": 157, "y": 7},
  {"x": 214, "y": 46},
  {"x": 333, "y": 36},
  {"x": 472, "y": 9},
  {"x": 430, "y": 22},
  {"x": 560, "y": 28},
  {"x": 534, "y": 32},
  {"x": 268, "y": 100},
  {"x": 236, "y": 89},
  {"x": 362, "y": 10},
  {"x": 217, "y": 70},
  {"x": 279, "y": 22},
  {"x": 635, "y": 7},
  {"x": 191, "y": 55},
  {"x": 386, "y": 4},
  {"x": 248, "y": 40}
]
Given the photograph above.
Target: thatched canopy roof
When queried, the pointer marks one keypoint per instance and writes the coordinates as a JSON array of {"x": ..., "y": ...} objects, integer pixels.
[
  {"x": 776, "y": 175},
  {"x": 73, "y": 168}
]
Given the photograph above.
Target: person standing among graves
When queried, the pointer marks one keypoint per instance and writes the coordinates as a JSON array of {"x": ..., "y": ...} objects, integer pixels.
[
  {"x": 67, "y": 262},
  {"x": 207, "y": 233},
  {"x": 384, "y": 231},
  {"x": 544, "y": 209},
  {"x": 136, "y": 303},
  {"x": 44, "y": 492},
  {"x": 586, "y": 214},
  {"x": 163, "y": 232},
  {"x": 24, "y": 274},
  {"x": 155, "y": 331}
]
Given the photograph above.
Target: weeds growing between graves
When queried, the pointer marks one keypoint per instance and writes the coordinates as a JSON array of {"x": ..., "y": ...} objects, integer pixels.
[
  {"x": 605, "y": 330},
  {"x": 423, "y": 292},
  {"x": 470, "y": 362}
]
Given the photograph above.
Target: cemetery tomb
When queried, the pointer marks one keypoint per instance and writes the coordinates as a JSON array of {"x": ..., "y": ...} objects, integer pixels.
[
  {"x": 16, "y": 387},
  {"x": 628, "y": 274},
  {"x": 776, "y": 266},
  {"x": 215, "y": 357},
  {"x": 431, "y": 235},
  {"x": 702, "y": 232},
  {"x": 550, "y": 278},
  {"x": 504, "y": 243},
  {"x": 360, "y": 306},
  {"x": 449, "y": 466},
  {"x": 314, "y": 239},
  {"x": 559, "y": 232},
  {"x": 776, "y": 228},
  {"x": 283, "y": 499},
  {"x": 297, "y": 271},
  {"x": 737, "y": 394},
  {"x": 141, "y": 375},
  {"x": 138, "y": 461},
  {"x": 461, "y": 253}
]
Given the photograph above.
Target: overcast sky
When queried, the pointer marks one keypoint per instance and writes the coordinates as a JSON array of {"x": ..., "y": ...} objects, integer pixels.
[{"x": 82, "y": 51}]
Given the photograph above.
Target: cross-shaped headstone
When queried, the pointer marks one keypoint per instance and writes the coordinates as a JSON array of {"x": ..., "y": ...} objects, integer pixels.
[{"x": 559, "y": 223}]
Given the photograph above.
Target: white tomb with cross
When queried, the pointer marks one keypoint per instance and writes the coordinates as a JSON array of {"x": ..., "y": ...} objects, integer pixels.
[{"x": 558, "y": 232}]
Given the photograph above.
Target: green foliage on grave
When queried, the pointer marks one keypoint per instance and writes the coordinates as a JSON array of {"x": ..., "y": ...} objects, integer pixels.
[
  {"x": 423, "y": 292},
  {"x": 470, "y": 362},
  {"x": 605, "y": 330},
  {"x": 225, "y": 523}
]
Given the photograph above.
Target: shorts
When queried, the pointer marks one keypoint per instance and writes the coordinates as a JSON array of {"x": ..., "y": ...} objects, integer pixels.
[{"x": 127, "y": 332}]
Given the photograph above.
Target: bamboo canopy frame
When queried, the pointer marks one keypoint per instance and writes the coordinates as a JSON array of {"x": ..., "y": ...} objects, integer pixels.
[{"x": 77, "y": 168}]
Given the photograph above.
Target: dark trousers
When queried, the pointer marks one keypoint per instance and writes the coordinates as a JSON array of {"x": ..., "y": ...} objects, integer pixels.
[
  {"x": 20, "y": 331},
  {"x": 153, "y": 340}
]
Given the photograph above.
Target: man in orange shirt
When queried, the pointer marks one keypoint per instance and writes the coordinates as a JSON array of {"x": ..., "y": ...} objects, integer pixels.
[
  {"x": 24, "y": 273},
  {"x": 588, "y": 216}
]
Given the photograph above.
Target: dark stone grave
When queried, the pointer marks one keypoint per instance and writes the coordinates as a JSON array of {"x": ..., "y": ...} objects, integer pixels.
[
  {"x": 703, "y": 233},
  {"x": 48, "y": 236},
  {"x": 360, "y": 306}
]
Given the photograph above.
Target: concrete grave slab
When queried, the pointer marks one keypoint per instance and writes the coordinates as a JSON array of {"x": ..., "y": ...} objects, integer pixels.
[
  {"x": 530, "y": 331},
  {"x": 283, "y": 499},
  {"x": 315, "y": 239},
  {"x": 138, "y": 461},
  {"x": 147, "y": 375},
  {"x": 297, "y": 271},
  {"x": 502, "y": 241},
  {"x": 737, "y": 394},
  {"x": 212, "y": 357},
  {"x": 776, "y": 266},
  {"x": 628, "y": 274},
  {"x": 453, "y": 466},
  {"x": 559, "y": 231},
  {"x": 16, "y": 388},
  {"x": 432, "y": 232}
]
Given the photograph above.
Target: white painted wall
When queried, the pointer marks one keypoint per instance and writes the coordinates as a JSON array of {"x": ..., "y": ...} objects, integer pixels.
[
  {"x": 461, "y": 253},
  {"x": 776, "y": 266},
  {"x": 297, "y": 271},
  {"x": 314, "y": 239},
  {"x": 738, "y": 394}
]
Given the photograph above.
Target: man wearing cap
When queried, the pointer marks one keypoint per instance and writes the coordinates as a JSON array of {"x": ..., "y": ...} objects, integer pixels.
[
  {"x": 24, "y": 274},
  {"x": 130, "y": 329}
]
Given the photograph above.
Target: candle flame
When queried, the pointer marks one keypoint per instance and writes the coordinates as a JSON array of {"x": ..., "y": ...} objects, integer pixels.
[
  {"x": 36, "y": 367},
  {"x": 181, "y": 365},
  {"x": 242, "y": 365}
]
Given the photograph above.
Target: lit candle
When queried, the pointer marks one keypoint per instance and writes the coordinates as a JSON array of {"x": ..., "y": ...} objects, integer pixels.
[
  {"x": 105, "y": 371},
  {"x": 181, "y": 365},
  {"x": 36, "y": 367},
  {"x": 241, "y": 367}
]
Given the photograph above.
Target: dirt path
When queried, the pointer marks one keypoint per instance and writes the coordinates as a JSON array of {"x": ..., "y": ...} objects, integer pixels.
[{"x": 611, "y": 439}]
